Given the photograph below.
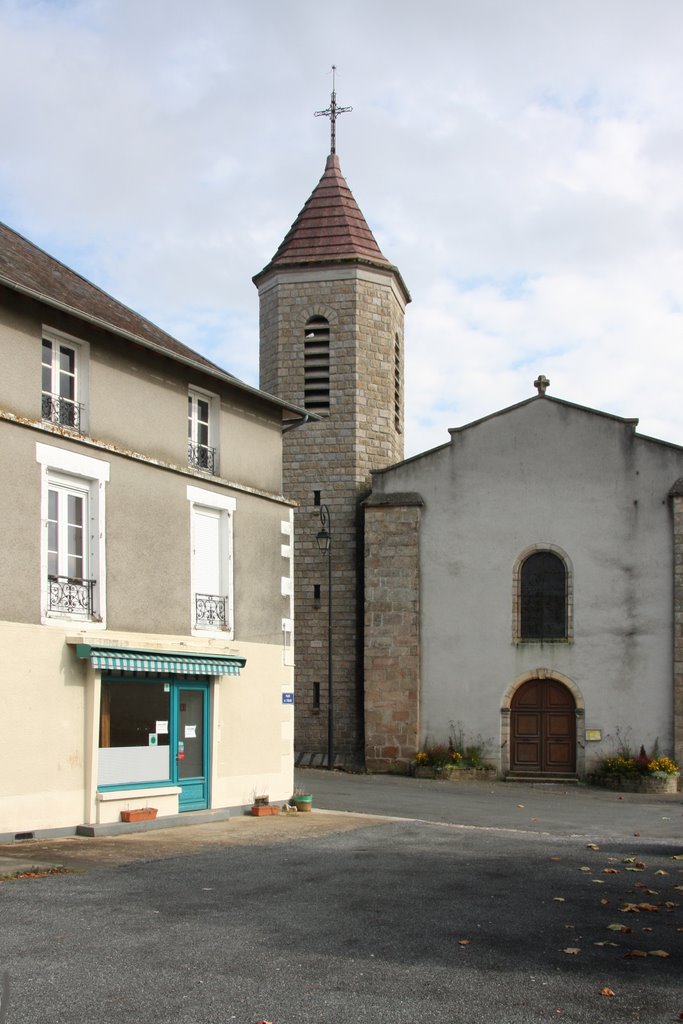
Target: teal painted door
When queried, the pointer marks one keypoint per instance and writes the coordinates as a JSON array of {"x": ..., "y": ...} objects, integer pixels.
[{"x": 191, "y": 727}]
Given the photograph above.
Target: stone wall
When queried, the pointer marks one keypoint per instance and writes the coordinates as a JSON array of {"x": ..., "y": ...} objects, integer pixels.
[
  {"x": 334, "y": 457},
  {"x": 392, "y": 630}
]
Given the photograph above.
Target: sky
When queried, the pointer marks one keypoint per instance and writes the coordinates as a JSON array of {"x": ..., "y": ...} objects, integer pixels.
[{"x": 520, "y": 162}]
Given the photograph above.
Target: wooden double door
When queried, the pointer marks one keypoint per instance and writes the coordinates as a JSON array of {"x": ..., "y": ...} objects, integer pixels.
[{"x": 543, "y": 728}]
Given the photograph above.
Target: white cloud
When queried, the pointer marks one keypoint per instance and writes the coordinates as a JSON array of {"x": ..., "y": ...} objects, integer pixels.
[{"x": 522, "y": 164}]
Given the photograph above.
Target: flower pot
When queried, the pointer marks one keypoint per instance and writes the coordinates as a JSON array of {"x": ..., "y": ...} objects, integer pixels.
[
  {"x": 263, "y": 810},
  {"x": 304, "y": 803},
  {"x": 139, "y": 814}
]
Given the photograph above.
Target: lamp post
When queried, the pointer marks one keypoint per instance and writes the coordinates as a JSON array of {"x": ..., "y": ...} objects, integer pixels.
[{"x": 324, "y": 539}]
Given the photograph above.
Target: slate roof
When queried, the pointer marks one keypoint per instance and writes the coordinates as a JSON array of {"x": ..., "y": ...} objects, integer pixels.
[
  {"x": 330, "y": 228},
  {"x": 24, "y": 265},
  {"x": 27, "y": 269}
]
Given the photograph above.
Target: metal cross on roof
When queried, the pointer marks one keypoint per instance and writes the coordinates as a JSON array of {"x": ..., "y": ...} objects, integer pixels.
[
  {"x": 332, "y": 112},
  {"x": 541, "y": 383}
]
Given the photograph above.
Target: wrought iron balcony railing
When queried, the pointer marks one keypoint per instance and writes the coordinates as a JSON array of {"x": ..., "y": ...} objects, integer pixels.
[
  {"x": 211, "y": 611},
  {"x": 201, "y": 456},
  {"x": 70, "y": 596},
  {"x": 62, "y": 411}
]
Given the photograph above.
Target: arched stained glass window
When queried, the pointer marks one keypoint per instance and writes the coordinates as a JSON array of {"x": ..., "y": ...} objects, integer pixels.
[{"x": 543, "y": 597}]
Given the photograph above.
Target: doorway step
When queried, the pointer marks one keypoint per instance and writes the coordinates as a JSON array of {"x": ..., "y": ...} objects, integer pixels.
[{"x": 559, "y": 778}]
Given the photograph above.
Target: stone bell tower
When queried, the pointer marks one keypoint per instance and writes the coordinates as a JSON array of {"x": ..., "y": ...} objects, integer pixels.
[{"x": 331, "y": 340}]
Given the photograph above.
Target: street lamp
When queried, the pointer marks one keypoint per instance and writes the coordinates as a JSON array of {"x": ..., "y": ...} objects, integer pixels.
[{"x": 324, "y": 539}]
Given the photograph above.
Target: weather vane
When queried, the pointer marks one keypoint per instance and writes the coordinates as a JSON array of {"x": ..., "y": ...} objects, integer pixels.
[{"x": 332, "y": 112}]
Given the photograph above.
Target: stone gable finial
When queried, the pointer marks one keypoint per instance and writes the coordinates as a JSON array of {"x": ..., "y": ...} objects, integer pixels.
[{"x": 541, "y": 383}]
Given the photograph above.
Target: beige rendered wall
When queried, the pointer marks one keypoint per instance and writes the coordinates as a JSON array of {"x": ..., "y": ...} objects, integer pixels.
[
  {"x": 147, "y": 536},
  {"x": 49, "y": 729},
  {"x": 137, "y": 399}
]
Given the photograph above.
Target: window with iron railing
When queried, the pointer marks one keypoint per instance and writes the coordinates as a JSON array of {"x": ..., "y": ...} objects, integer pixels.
[
  {"x": 201, "y": 452},
  {"x": 61, "y": 384}
]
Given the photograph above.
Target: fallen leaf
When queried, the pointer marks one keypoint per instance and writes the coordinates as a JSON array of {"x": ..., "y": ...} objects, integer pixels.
[
  {"x": 598, "y": 881},
  {"x": 463, "y": 942},
  {"x": 661, "y": 872},
  {"x": 662, "y": 953},
  {"x": 677, "y": 856},
  {"x": 604, "y": 901},
  {"x": 607, "y": 991},
  {"x": 636, "y": 833},
  {"x": 679, "y": 887},
  {"x": 610, "y": 871},
  {"x": 670, "y": 905},
  {"x": 648, "y": 929},
  {"x": 520, "y": 805},
  {"x": 615, "y": 944},
  {"x": 629, "y": 908},
  {"x": 635, "y": 953},
  {"x": 572, "y": 950},
  {"x": 650, "y": 906},
  {"x": 592, "y": 846},
  {"x": 584, "y": 868},
  {"x": 556, "y": 858},
  {"x": 618, "y": 928},
  {"x": 559, "y": 899},
  {"x": 629, "y": 860}
]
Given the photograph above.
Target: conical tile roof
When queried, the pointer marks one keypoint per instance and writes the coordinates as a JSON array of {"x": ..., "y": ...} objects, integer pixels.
[{"x": 330, "y": 226}]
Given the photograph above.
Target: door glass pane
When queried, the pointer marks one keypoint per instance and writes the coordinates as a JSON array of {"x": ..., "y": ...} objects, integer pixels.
[{"x": 191, "y": 733}]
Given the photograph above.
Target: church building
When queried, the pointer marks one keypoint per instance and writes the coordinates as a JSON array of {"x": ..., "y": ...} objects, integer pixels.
[{"x": 522, "y": 583}]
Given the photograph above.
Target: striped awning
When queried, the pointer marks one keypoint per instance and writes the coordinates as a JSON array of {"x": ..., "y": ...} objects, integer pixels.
[{"x": 124, "y": 660}]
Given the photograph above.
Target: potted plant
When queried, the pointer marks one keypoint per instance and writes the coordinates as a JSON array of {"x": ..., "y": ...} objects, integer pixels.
[
  {"x": 139, "y": 814},
  {"x": 262, "y": 807},
  {"x": 302, "y": 800}
]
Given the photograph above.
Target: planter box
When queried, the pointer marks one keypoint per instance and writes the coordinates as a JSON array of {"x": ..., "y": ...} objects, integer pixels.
[
  {"x": 645, "y": 784},
  {"x": 139, "y": 814},
  {"x": 264, "y": 810},
  {"x": 452, "y": 773}
]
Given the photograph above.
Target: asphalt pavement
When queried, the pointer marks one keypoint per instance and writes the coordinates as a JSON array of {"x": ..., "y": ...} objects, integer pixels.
[{"x": 473, "y": 904}]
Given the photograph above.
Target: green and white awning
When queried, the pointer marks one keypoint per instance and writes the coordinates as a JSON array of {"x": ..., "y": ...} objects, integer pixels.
[{"x": 119, "y": 659}]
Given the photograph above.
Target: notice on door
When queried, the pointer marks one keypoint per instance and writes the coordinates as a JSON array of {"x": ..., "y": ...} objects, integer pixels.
[{"x": 190, "y": 732}]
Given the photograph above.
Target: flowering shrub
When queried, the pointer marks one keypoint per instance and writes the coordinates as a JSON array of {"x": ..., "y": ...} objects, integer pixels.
[
  {"x": 443, "y": 755},
  {"x": 662, "y": 764},
  {"x": 629, "y": 766}
]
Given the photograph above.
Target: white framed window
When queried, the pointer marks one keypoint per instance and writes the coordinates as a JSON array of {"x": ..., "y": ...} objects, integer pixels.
[
  {"x": 211, "y": 581},
  {"x": 64, "y": 380},
  {"x": 202, "y": 430},
  {"x": 73, "y": 568}
]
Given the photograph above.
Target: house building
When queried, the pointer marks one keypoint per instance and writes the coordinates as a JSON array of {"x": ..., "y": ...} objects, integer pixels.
[{"x": 146, "y": 563}]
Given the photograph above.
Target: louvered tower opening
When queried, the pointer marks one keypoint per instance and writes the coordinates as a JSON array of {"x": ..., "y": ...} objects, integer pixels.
[{"x": 317, "y": 365}]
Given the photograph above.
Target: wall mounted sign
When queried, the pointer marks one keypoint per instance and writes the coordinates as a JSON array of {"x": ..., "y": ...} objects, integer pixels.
[{"x": 287, "y": 698}]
